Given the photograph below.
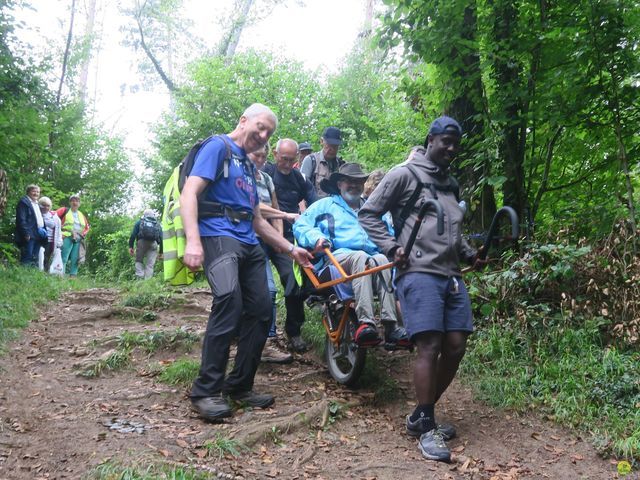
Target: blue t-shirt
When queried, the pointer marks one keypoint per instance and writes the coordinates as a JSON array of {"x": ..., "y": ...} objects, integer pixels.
[{"x": 237, "y": 191}]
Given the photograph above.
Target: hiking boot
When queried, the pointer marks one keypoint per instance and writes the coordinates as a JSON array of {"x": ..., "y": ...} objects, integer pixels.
[
  {"x": 211, "y": 408},
  {"x": 397, "y": 338},
  {"x": 297, "y": 344},
  {"x": 419, "y": 427},
  {"x": 432, "y": 447},
  {"x": 272, "y": 354},
  {"x": 367, "y": 335},
  {"x": 253, "y": 399}
]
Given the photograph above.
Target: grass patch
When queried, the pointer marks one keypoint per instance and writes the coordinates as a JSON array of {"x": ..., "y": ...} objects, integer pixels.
[
  {"x": 111, "y": 471},
  {"x": 152, "y": 294},
  {"x": 219, "y": 446},
  {"x": 152, "y": 341},
  {"x": 566, "y": 374},
  {"x": 23, "y": 290},
  {"x": 181, "y": 372},
  {"x": 313, "y": 331},
  {"x": 117, "y": 360}
]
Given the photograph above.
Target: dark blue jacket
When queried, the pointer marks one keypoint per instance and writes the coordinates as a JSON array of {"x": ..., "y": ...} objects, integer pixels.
[{"x": 26, "y": 222}]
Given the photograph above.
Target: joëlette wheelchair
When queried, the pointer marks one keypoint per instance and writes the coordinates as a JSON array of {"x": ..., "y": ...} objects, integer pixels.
[{"x": 344, "y": 357}]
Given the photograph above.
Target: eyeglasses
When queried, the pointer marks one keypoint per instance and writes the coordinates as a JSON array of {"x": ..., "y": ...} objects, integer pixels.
[{"x": 288, "y": 159}]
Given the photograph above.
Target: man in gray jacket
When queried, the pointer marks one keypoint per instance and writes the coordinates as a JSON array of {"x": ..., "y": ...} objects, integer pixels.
[{"x": 434, "y": 301}]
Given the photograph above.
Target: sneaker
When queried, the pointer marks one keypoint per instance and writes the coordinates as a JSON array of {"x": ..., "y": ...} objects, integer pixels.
[
  {"x": 211, "y": 408},
  {"x": 419, "y": 427},
  {"x": 367, "y": 335},
  {"x": 397, "y": 338},
  {"x": 297, "y": 344},
  {"x": 253, "y": 399},
  {"x": 432, "y": 447},
  {"x": 272, "y": 354}
]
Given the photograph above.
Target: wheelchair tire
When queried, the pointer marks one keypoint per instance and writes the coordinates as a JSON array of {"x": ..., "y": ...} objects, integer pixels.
[{"x": 345, "y": 363}]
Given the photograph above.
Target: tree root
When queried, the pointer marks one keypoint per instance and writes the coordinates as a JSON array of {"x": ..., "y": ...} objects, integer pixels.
[{"x": 250, "y": 435}]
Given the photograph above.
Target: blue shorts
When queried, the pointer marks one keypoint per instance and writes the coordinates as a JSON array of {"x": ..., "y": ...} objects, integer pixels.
[{"x": 434, "y": 303}]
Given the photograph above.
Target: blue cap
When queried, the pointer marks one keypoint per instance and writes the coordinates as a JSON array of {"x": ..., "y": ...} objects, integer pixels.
[
  {"x": 445, "y": 124},
  {"x": 332, "y": 136}
]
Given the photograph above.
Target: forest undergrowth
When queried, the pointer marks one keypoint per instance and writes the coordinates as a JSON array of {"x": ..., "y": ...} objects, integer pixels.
[{"x": 558, "y": 334}]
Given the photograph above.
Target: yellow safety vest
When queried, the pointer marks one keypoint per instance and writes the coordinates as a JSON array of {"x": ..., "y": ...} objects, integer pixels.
[
  {"x": 174, "y": 240},
  {"x": 67, "y": 224}
]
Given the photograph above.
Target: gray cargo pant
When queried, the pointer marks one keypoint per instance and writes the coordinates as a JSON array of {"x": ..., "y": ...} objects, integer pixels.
[{"x": 146, "y": 254}]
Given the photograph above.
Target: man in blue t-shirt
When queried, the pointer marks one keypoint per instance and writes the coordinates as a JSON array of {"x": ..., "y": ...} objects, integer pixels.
[{"x": 224, "y": 242}]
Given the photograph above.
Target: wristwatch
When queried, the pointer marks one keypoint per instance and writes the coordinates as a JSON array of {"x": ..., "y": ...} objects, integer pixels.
[{"x": 291, "y": 248}]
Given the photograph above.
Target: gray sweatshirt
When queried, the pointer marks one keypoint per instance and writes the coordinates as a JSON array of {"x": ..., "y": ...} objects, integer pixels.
[{"x": 431, "y": 253}]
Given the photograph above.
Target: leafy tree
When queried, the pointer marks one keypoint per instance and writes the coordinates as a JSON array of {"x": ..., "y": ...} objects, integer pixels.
[{"x": 548, "y": 89}]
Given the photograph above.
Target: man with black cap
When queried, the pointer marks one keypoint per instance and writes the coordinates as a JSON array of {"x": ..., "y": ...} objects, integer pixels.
[
  {"x": 435, "y": 304},
  {"x": 320, "y": 165},
  {"x": 334, "y": 219}
]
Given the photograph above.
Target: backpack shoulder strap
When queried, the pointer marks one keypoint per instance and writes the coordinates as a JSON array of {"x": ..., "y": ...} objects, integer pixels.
[
  {"x": 223, "y": 169},
  {"x": 314, "y": 162},
  {"x": 398, "y": 225},
  {"x": 454, "y": 186}
]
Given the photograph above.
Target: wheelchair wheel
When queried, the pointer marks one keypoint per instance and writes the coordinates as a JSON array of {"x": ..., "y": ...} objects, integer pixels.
[{"x": 346, "y": 360}]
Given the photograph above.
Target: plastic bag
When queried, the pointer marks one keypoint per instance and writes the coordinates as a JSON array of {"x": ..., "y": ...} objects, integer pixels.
[
  {"x": 41, "y": 258},
  {"x": 57, "y": 267}
]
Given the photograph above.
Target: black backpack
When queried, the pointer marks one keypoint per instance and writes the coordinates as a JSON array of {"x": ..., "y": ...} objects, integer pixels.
[
  {"x": 186, "y": 165},
  {"x": 205, "y": 208},
  {"x": 434, "y": 188},
  {"x": 149, "y": 229}
]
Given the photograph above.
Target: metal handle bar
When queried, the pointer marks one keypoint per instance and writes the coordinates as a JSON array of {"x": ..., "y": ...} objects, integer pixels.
[
  {"x": 515, "y": 231},
  {"x": 428, "y": 204}
]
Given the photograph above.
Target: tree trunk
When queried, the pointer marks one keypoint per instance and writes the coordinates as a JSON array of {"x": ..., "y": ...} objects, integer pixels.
[
  {"x": 67, "y": 52},
  {"x": 156, "y": 64},
  {"x": 88, "y": 49},
  {"x": 508, "y": 84},
  {"x": 467, "y": 109},
  {"x": 231, "y": 40},
  {"x": 624, "y": 163},
  {"x": 4, "y": 189}
]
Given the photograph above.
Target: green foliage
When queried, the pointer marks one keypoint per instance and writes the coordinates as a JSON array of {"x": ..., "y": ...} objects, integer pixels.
[
  {"x": 181, "y": 372},
  {"x": 22, "y": 292},
  {"x": 379, "y": 125},
  {"x": 114, "y": 471},
  {"x": 108, "y": 253}
]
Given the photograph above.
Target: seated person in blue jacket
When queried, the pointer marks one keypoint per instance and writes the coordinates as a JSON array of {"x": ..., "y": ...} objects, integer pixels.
[{"x": 354, "y": 250}]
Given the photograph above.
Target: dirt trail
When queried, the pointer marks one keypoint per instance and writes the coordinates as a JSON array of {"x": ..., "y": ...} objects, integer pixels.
[{"x": 56, "y": 424}]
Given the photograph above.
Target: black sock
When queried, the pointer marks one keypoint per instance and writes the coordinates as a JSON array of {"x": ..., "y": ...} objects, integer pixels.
[{"x": 425, "y": 411}]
